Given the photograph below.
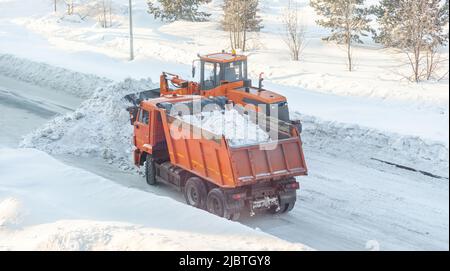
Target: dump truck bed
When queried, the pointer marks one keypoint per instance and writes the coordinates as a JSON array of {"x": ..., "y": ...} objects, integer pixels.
[{"x": 234, "y": 166}]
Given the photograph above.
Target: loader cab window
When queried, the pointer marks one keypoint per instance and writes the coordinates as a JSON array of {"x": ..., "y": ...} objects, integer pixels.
[
  {"x": 234, "y": 71},
  {"x": 144, "y": 117},
  {"x": 209, "y": 75},
  {"x": 212, "y": 74}
]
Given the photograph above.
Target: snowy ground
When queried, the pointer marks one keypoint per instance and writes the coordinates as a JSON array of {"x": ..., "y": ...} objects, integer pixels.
[
  {"x": 52, "y": 206},
  {"x": 352, "y": 120},
  {"x": 28, "y": 107},
  {"x": 349, "y": 200},
  {"x": 383, "y": 100}
]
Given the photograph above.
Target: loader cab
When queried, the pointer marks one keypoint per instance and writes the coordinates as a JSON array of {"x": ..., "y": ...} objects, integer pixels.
[{"x": 222, "y": 68}]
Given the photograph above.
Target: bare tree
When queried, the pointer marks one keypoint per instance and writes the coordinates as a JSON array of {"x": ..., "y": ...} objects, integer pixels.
[
  {"x": 417, "y": 27},
  {"x": 437, "y": 36},
  {"x": 414, "y": 26},
  {"x": 70, "y": 6},
  {"x": 294, "y": 30},
  {"x": 240, "y": 17},
  {"x": 105, "y": 16}
]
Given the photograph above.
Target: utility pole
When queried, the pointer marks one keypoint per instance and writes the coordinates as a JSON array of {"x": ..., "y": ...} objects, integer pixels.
[
  {"x": 131, "y": 32},
  {"x": 55, "y": 5}
]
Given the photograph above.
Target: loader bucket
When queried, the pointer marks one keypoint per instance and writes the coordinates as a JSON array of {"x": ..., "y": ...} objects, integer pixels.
[{"x": 138, "y": 97}]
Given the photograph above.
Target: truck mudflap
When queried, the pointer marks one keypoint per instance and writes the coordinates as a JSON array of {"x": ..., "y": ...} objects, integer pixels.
[{"x": 278, "y": 197}]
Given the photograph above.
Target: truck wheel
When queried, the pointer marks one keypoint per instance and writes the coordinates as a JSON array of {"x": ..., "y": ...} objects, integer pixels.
[
  {"x": 284, "y": 208},
  {"x": 150, "y": 172},
  {"x": 215, "y": 202},
  {"x": 233, "y": 216},
  {"x": 287, "y": 203},
  {"x": 195, "y": 193},
  {"x": 287, "y": 207}
]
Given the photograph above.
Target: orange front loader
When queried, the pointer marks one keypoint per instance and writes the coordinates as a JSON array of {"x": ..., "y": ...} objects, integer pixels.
[
  {"x": 225, "y": 75},
  {"x": 214, "y": 175}
]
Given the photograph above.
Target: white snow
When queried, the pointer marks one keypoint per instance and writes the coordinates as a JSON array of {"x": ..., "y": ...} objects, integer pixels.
[
  {"x": 25, "y": 107},
  {"x": 64, "y": 208},
  {"x": 237, "y": 128},
  {"x": 349, "y": 120},
  {"x": 41, "y": 74},
  {"x": 385, "y": 101},
  {"x": 99, "y": 127}
]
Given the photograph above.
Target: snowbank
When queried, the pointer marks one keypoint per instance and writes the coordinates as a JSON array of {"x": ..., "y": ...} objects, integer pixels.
[
  {"x": 99, "y": 127},
  {"x": 44, "y": 75},
  {"x": 365, "y": 144},
  {"x": 237, "y": 128},
  {"x": 47, "y": 196}
]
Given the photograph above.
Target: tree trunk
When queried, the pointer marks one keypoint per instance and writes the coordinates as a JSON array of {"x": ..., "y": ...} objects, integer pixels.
[
  {"x": 417, "y": 64},
  {"x": 349, "y": 53},
  {"x": 110, "y": 13},
  {"x": 231, "y": 40},
  {"x": 244, "y": 41}
]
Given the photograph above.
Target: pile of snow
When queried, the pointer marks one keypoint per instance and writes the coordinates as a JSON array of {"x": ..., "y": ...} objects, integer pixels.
[
  {"x": 99, "y": 127},
  {"x": 112, "y": 217},
  {"x": 363, "y": 144},
  {"x": 44, "y": 75},
  {"x": 237, "y": 128},
  {"x": 9, "y": 212}
]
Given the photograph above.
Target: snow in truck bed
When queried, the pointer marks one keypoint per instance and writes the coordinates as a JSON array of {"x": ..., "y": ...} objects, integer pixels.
[{"x": 237, "y": 128}]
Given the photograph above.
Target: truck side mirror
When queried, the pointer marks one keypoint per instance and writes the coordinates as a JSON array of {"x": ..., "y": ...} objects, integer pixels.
[
  {"x": 193, "y": 71},
  {"x": 133, "y": 114}
]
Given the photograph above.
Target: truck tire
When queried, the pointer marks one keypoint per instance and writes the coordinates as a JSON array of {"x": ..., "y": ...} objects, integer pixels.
[
  {"x": 287, "y": 203},
  {"x": 216, "y": 204},
  {"x": 150, "y": 171},
  {"x": 287, "y": 207},
  {"x": 195, "y": 193},
  {"x": 284, "y": 208}
]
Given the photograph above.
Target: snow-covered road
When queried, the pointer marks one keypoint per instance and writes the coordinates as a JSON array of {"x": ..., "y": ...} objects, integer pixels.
[
  {"x": 344, "y": 204},
  {"x": 24, "y": 107}
]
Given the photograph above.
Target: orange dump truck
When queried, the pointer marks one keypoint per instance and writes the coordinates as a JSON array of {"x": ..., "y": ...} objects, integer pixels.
[{"x": 214, "y": 175}]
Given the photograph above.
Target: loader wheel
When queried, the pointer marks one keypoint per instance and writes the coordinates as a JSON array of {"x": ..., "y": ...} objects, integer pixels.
[
  {"x": 195, "y": 193},
  {"x": 150, "y": 171}
]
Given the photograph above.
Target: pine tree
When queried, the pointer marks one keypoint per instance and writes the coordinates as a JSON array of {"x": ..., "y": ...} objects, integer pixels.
[
  {"x": 241, "y": 17},
  {"x": 347, "y": 19},
  {"x": 173, "y": 10},
  {"x": 417, "y": 27}
]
